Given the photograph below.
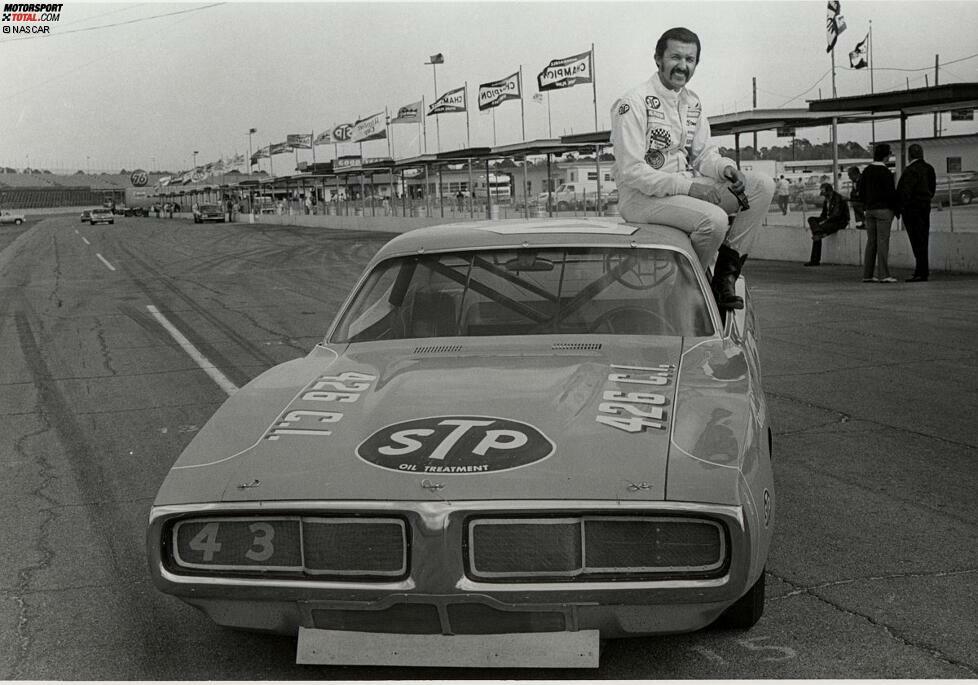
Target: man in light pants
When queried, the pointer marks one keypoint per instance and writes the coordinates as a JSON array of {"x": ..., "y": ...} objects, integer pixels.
[{"x": 668, "y": 171}]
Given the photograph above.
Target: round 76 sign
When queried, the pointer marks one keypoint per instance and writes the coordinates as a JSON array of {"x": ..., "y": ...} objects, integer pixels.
[{"x": 139, "y": 178}]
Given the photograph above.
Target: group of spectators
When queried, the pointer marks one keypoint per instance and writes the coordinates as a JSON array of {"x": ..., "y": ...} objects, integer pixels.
[{"x": 876, "y": 202}]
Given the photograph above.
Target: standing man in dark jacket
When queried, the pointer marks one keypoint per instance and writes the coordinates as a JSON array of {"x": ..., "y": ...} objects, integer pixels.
[{"x": 916, "y": 188}]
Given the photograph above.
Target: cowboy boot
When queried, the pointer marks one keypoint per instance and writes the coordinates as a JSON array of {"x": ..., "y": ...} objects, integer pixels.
[{"x": 725, "y": 273}]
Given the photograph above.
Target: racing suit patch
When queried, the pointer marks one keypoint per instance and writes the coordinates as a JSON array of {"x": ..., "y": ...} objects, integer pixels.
[
  {"x": 623, "y": 108},
  {"x": 655, "y": 159},
  {"x": 652, "y": 102},
  {"x": 659, "y": 138}
]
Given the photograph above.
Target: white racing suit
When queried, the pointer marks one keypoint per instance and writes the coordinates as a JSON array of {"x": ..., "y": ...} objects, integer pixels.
[{"x": 662, "y": 146}]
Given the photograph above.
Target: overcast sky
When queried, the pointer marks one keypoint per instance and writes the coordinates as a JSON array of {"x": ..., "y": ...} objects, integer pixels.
[{"x": 141, "y": 84}]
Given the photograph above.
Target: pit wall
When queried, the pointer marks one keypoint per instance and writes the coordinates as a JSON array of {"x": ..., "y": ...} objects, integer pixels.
[{"x": 948, "y": 251}]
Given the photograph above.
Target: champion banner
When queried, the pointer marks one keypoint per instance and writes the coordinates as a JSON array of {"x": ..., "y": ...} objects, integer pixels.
[
  {"x": 408, "y": 114},
  {"x": 324, "y": 138},
  {"x": 566, "y": 72},
  {"x": 279, "y": 148},
  {"x": 857, "y": 58},
  {"x": 452, "y": 101},
  {"x": 835, "y": 23},
  {"x": 496, "y": 92},
  {"x": 303, "y": 141},
  {"x": 371, "y": 128}
]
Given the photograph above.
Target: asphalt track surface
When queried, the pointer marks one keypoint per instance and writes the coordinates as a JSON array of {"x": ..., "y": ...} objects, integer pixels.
[{"x": 873, "y": 391}]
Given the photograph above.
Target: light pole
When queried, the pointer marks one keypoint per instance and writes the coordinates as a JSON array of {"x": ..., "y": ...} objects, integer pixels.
[
  {"x": 194, "y": 175},
  {"x": 251, "y": 132},
  {"x": 435, "y": 60}
]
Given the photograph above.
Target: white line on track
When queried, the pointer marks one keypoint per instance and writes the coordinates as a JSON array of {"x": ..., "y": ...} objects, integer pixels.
[
  {"x": 85, "y": 240},
  {"x": 188, "y": 347},
  {"x": 105, "y": 261}
]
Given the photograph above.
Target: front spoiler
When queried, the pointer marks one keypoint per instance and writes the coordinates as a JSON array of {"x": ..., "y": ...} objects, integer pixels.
[{"x": 513, "y": 650}]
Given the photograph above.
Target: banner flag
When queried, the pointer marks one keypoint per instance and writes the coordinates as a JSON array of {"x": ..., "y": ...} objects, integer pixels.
[
  {"x": 437, "y": 59},
  {"x": 279, "y": 148},
  {"x": 164, "y": 181},
  {"x": 373, "y": 127},
  {"x": 835, "y": 23},
  {"x": 857, "y": 58},
  {"x": 408, "y": 114},
  {"x": 342, "y": 132},
  {"x": 324, "y": 138},
  {"x": 566, "y": 72},
  {"x": 452, "y": 101},
  {"x": 235, "y": 161},
  {"x": 303, "y": 141},
  {"x": 494, "y": 93}
]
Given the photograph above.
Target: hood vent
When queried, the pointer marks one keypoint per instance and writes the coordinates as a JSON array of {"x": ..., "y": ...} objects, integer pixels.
[
  {"x": 437, "y": 349},
  {"x": 576, "y": 347}
]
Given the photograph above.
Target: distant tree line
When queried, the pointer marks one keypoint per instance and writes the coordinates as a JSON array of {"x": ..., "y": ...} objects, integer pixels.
[{"x": 803, "y": 149}]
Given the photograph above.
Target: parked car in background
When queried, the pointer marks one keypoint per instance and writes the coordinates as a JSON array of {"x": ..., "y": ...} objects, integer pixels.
[
  {"x": 958, "y": 188},
  {"x": 10, "y": 217},
  {"x": 101, "y": 216},
  {"x": 516, "y": 439},
  {"x": 208, "y": 213},
  {"x": 134, "y": 211},
  {"x": 577, "y": 195},
  {"x": 86, "y": 215}
]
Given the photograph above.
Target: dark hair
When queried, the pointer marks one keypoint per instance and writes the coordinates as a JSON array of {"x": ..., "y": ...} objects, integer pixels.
[
  {"x": 881, "y": 152},
  {"x": 826, "y": 186},
  {"x": 915, "y": 151},
  {"x": 680, "y": 35}
]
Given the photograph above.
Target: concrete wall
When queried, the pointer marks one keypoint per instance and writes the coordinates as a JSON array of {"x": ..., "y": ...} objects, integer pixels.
[{"x": 948, "y": 251}]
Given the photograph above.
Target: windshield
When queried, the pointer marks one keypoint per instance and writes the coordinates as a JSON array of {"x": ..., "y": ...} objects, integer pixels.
[{"x": 528, "y": 292}]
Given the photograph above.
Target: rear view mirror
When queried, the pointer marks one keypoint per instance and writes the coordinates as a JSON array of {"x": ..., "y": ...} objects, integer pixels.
[{"x": 528, "y": 261}]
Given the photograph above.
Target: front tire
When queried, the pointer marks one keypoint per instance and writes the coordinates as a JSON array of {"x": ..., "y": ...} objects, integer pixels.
[
  {"x": 966, "y": 197},
  {"x": 18, "y": 222},
  {"x": 746, "y": 611}
]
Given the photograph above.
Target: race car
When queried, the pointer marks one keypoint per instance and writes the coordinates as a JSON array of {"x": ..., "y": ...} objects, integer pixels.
[
  {"x": 516, "y": 439},
  {"x": 208, "y": 213},
  {"x": 8, "y": 217}
]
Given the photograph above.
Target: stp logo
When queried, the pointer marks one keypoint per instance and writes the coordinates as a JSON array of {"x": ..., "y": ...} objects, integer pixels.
[
  {"x": 343, "y": 132},
  {"x": 455, "y": 444},
  {"x": 139, "y": 178}
]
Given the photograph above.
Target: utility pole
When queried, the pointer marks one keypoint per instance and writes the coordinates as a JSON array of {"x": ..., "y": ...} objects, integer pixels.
[
  {"x": 754, "y": 80},
  {"x": 937, "y": 115}
]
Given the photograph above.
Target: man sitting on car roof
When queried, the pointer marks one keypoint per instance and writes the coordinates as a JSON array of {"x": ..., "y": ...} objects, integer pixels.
[{"x": 669, "y": 172}]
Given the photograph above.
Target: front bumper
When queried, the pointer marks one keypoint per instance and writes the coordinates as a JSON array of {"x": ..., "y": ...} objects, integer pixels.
[{"x": 437, "y": 597}]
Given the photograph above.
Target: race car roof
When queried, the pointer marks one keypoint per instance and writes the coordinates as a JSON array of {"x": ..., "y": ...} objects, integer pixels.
[{"x": 534, "y": 233}]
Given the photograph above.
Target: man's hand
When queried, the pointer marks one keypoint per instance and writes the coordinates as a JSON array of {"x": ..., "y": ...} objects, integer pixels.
[
  {"x": 705, "y": 192},
  {"x": 736, "y": 177}
]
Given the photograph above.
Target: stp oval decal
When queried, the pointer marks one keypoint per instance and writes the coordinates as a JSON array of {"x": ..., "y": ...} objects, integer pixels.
[{"x": 455, "y": 444}]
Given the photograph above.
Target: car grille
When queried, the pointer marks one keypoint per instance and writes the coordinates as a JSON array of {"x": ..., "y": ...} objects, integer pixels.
[
  {"x": 360, "y": 548},
  {"x": 589, "y": 548}
]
